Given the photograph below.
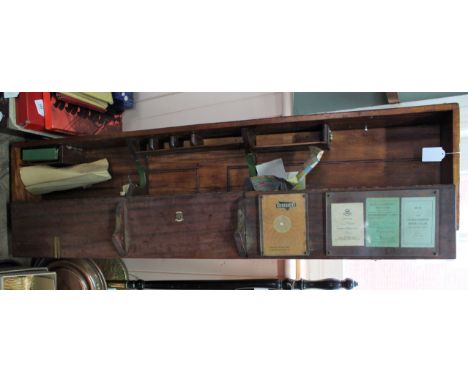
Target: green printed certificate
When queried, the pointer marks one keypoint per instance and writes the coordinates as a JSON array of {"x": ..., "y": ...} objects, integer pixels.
[
  {"x": 418, "y": 222},
  {"x": 382, "y": 222}
]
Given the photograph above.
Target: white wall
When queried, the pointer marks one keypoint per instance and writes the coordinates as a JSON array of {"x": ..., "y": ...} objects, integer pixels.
[{"x": 156, "y": 110}]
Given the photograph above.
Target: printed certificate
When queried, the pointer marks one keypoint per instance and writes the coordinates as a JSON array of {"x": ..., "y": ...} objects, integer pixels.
[
  {"x": 418, "y": 218},
  {"x": 383, "y": 222},
  {"x": 347, "y": 224}
]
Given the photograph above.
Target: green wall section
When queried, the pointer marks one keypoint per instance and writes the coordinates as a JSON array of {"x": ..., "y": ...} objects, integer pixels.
[
  {"x": 408, "y": 96},
  {"x": 309, "y": 103}
]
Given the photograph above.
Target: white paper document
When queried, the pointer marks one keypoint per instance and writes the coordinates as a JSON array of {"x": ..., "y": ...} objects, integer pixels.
[
  {"x": 347, "y": 224},
  {"x": 274, "y": 167}
]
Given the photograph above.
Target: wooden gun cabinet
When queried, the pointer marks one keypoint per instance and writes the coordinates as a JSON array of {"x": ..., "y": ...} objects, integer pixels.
[{"x": 196, "y": 176}]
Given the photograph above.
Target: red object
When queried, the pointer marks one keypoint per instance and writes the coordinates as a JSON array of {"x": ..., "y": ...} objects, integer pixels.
[
  {"x": 30, "y": 111},
  {"x": 74, "y": 101},
  {"x": 66, "y": 118}
]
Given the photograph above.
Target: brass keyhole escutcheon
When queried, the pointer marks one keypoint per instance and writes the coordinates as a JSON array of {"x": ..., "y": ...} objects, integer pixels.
[{"x": 179, "y": 216}]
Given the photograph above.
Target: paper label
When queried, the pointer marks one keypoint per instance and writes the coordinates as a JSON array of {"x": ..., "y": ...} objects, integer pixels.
[
  {"x": 433, "y": 154},
  {"x": 382, "y": 222},
  {"x": 418, "y": 222},
  {"x": 347, "y": 224},
  {"x": 10, "y": 94},
  {"x": 39, "y": 106}
]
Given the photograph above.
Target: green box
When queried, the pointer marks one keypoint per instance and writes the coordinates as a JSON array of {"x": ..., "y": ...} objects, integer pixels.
[{"x": 40, "y": 154}]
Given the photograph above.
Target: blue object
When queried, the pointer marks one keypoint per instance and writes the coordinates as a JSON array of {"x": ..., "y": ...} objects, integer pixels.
[{"x": 123, "y": 100}]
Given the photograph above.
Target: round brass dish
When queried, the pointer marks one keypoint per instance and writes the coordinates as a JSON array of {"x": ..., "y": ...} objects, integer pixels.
[
  {"x": 78, "y": 274},
  {"x": 112, "y": 269},
  {"x": 84, "y": 274}
]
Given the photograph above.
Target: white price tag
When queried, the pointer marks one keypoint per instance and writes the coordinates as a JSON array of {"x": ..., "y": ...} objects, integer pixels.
[
  {"x": 433, "y": 154},
  {"x": 39, "y": 106}
]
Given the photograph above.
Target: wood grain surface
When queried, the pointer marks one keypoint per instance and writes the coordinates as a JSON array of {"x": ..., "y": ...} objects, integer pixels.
[
  {"x": 85, "y": 226},
  {"x": 376, "y": 148}
]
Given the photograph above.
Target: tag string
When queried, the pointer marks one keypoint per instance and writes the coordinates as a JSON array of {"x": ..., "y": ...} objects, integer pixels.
[{"x": 454, "y": 152}]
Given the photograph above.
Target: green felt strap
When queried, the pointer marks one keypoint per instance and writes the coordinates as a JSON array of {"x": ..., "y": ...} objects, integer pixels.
[{"x": 251, "y": 162}]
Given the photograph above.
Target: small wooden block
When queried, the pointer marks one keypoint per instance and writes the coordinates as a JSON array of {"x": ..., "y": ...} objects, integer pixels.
[{"x": 392, "y": 97}]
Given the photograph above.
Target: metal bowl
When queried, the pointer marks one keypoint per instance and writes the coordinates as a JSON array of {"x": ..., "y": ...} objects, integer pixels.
[{"x": 78, "y": 274}]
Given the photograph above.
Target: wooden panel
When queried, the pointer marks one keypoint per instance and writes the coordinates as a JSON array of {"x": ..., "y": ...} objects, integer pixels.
[
  {"x": 237, "y": 178},
  {"x": 373, "y": 174},
  {"x": 276, "y": 139},
  {"x": 380, "y": 148},
  {"x": 410, "y": 116},
  {"x": 201, "y": 159},
  {"x": 368, "y": 173},
  {"x": 212, "y": 177},
  {"x": 317, "y": 225},
  {"x": 373, "y": 144},
  {"x": 207, "y": 229},
  {"x": 450, "y": 166},
  {"x": 179, "y": 181},
  {"x": 121, "y": 166},
  {"x": 367, "y": 154},
  {"x": 392, "y": 252},
  {"x": 85, "y": 226},
  {"x": 229, "y": 172}
]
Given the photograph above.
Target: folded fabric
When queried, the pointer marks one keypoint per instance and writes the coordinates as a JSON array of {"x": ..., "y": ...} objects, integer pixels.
[{"x": 43, "y": 179}]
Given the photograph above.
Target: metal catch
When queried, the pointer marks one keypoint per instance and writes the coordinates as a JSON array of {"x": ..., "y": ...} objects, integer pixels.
[{"x": 179, "y": 216}]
